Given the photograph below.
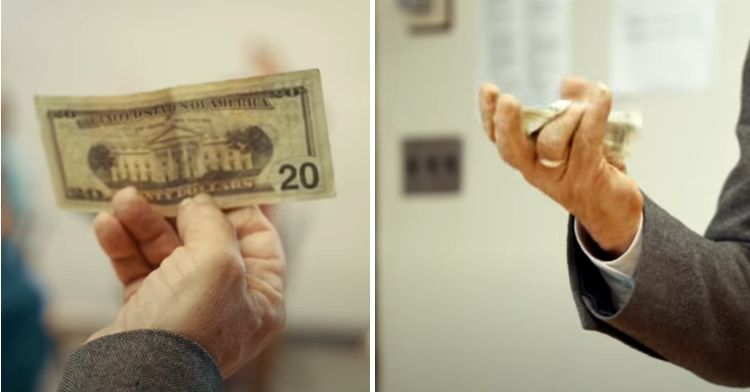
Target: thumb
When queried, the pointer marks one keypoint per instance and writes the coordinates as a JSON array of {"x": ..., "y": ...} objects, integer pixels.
[{"x": 205, "y": 231}]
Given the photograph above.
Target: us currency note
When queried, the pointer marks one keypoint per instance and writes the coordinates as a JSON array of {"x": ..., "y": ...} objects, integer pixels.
[
  {"x": 249, "y": 141},
  {"x": 622, "y": 127}
]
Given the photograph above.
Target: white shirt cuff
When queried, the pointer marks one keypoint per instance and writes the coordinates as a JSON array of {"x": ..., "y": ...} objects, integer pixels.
[{"x": 618, "y": 273}]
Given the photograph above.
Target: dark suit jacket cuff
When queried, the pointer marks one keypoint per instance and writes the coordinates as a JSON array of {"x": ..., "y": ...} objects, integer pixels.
[
  {"x": 592, "y": 294},
  {"x": 141, "y": 360}
]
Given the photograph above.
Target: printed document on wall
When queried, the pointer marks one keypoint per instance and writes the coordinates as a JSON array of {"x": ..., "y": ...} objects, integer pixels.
[
  {"x": 664, "y": 45},
  {"x": 525, "y": 47}
]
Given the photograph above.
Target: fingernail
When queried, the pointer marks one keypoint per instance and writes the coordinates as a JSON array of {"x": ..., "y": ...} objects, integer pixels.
[
  {"x": 129, "y": 189},
  {"x": 186, "y": 201},
  {"x": 100, "y": 218},
  {"x": 202, "y": 197}
]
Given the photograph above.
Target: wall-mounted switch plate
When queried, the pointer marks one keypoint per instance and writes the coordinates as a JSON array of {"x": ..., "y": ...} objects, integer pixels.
[
  {"x": 432, "y": 165},
  {"x": 428, "y": 16}
]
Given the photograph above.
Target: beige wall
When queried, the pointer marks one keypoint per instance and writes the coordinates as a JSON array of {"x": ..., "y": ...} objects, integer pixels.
[
  {"x": 473, "y": 288},
  {"x": 87, "y": 47}
]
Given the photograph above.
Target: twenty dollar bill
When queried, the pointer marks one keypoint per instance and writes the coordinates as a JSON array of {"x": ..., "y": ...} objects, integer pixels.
[
  {"x": 621, "y": 126},
  {"x": 249, "y": 141}
]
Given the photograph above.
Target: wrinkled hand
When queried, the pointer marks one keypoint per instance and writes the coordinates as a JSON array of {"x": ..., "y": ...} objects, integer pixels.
[
  {"x": 217, "y": 279},
  {"x": 590, "y": 185}
]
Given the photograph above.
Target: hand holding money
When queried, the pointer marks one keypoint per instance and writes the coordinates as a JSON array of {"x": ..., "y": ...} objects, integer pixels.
[
  {"x": 567, "y": 157},
  {"x": 621, "y": 128},
  {"x": 247, "y": 141},
  {"x": 216, "y": 278}
]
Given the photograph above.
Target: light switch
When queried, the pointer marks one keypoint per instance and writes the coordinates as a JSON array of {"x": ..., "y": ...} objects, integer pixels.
[
  {"x": 428, "y": 16},
  {"x": 432, "y": 165}
]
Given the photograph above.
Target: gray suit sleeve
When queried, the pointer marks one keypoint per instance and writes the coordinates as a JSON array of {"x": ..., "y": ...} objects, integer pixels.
[
  {"x": 143, "y": 360},
  {"x": 691, "y": 301}
]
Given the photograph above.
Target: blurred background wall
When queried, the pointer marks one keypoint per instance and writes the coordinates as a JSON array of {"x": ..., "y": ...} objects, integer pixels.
[
  {"x": 473, "y": 290},
  {"x": 89, "y": 47}
]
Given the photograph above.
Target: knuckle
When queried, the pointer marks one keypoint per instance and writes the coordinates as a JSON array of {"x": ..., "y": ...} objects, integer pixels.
[
  {"x": 584, "y": 141},
  {"x": 501, "y": 141},
  {"x": 498, "y": 119},
  {"x": 180, "y": 252},
  {"x": 527, "y": 175},
  {"x": 275, "y": 284},
  {"x": 598, "y": 178},
  {"x": 186, "y": 260},
  {"x": 564, "y": 199},
  {"x": 277, "y": 311},
  {"x": 276, "y": 319},
  {"x": 485, "y": 116},
  {"x": 507, "y": 153},
  {"x": 270, "y": 309},
  {"x": 577, "y": 190},
  {"x": 225, "y": 262},
  {"x": 502, "y": 147}
]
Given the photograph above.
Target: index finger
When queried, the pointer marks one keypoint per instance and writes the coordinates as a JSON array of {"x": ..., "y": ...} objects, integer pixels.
[
  {"x": 127, "y": 259},
  {"x": 255, "y": 233},
  {"x": 514, "y": 145},
  {"x": 488, "y": 94}
]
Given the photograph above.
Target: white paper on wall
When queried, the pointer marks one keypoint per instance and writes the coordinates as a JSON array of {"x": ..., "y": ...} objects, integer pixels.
[
  {"x": 525, "y": 47},
  {"x": 662, "y": 45}
]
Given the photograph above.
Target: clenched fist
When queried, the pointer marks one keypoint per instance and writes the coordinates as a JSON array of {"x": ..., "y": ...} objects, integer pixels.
[
  {"x": 218, "y": 278},
  {"x": 567, "y": 160}
]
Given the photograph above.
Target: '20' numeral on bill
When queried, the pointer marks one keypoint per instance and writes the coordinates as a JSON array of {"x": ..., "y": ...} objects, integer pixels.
[{"x": 308, "y": 176}]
